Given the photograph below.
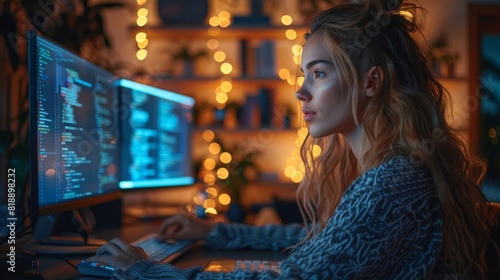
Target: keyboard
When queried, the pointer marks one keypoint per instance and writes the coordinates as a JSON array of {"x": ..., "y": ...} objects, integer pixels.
[
  {"x": 163, "y": 251},
  {"x": 157, "y": 249}
]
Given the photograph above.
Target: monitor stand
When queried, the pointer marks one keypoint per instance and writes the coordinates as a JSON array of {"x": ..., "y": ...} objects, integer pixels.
[{"x": 45, "y": 243}]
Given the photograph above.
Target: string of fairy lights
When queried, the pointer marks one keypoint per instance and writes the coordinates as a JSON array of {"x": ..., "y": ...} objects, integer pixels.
[
  {"x": 141, "y": 37},
  {"x": 294, "y": 169}
]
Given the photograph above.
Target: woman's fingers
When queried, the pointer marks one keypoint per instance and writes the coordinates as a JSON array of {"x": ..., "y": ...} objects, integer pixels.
[
  {"x": 118, "y": 254},
  {"x": 172, "y": 225}
]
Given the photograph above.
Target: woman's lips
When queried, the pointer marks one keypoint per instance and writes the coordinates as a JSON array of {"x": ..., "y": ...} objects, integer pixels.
[{"x": 308, "y": 115}]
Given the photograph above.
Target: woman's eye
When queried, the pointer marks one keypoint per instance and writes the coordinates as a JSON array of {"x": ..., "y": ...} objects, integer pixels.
[{"x": 318, "y": 74}]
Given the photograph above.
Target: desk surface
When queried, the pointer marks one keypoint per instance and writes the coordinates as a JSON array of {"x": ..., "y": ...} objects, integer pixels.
[{"x": 52, "y": 267}]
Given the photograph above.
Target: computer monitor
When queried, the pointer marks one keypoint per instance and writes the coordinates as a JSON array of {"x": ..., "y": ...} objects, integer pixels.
[
  {"x": 73, "y": 133},
  {"x": 156, "y": 126}
]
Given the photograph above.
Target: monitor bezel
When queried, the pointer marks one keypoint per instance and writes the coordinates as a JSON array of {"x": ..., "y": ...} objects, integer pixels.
[{"x": 36, "y": 210}]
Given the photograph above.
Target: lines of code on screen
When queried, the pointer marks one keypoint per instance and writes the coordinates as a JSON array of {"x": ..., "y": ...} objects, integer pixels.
[
  {"x": 156, "y": 133},
  {"x": 76, "y": 126}
]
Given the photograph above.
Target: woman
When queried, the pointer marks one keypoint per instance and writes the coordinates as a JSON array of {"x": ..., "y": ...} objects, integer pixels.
[{"x": 393, "y": 195}]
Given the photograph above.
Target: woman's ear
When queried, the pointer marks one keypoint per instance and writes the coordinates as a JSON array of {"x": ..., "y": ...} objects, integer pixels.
[{"x": 373, "y": 78}]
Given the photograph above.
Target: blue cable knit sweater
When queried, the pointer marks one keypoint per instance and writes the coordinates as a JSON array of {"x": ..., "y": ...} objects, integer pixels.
[{"x": 388, "y": 225}]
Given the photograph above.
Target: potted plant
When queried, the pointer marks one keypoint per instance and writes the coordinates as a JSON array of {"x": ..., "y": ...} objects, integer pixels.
[
  {"x": 450, "y": 58},
  {"x": 241, "y": 170},
  {"x": 443, "y": 57},
  {"x": 188, "y": 57}
]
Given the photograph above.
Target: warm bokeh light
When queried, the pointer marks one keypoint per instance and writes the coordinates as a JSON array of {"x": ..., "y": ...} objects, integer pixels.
[
  {"x": 214, "y": 21},
  {"x": 221, "y": 97},
  {"x": 302, "y": 167},
  {"x": 209, "y": 164},
  {"x": 284, "y": 73},
  {"x": 298, "y": 142},
  {"x": 226, "y": 68},
  {"x": 209, "y": 179},
  {"x": 289, "y": 171},
  {"x": 141, "y": 54},
  {"x": 297, "y": 177},
  {"x": 224, "y": 199},
  {"x": 211, "y": 211},
  {"x": 225, "y": 19},
  {"x": 222, "y": 173},
  {"x": 316, "y": 151},
  {"x": 143, "y": 44},
  {"x": 226, "y": 86},
  {"x": 224, "y": 15},
  {"x": 214, "y": 31},
  {"x": 296, "y": 59},
  {"x": 296, "y": 153},
  {"x": 142, "y": 12},
  {"x": 296, "y": 49},
  {"x": 139, "y": 37},
  {"x": 212, "y": 44},
  {"x": 214, "y": 148},
  {"x": 300, "y": 81},
  {"x": 212, "y": 191},
  {"x": 208, "y": 135},
  {"x": 302, "y": 132},
  {"x": 199, "y": 198},
  {"x": 292, "y": 79},
  {"x": 209, "y": 203},
  {"x": 286, "y": 20},
  {"x": 224, "y": 23},
  {"x": 219, "y": 56},
  {"x": 291, "y": 34},
  {"x": 141, "y": 2},
  {"x": 291, "y": 161},
  {"x": 142, "y": 21},
  {"x": 225, "y": 157}
]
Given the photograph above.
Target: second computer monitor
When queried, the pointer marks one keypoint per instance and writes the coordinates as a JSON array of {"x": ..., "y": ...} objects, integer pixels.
[{"x": 156, "y": 127}]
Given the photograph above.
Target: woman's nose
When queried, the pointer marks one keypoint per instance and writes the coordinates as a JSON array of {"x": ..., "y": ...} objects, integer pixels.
[{"x": 302, "y": 94}]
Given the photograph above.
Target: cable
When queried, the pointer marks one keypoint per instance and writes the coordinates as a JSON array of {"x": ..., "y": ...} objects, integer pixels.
[{"x": 61, "y": 258}]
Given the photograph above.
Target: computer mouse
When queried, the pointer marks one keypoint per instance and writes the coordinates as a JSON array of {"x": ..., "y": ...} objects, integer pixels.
[{"x": 95, "y": 269}]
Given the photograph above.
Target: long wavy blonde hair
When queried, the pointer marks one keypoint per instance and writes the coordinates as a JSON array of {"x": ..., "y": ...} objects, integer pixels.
[{"x": 406, "y": 116}]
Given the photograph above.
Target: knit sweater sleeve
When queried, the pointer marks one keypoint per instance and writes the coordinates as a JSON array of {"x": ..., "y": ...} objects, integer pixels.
[{"x": 238, "y": 236}]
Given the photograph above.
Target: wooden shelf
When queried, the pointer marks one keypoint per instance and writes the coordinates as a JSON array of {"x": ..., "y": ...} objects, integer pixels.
[
  {"x": 202, "y": 32},
  {"x": 273, "y": 143},
  {"x": 167, "y": 82}
]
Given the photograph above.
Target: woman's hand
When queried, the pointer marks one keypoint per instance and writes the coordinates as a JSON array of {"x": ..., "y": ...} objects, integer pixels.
[
  {"x": 185, "y": 228},
  {"x": 118, "y": 254}
]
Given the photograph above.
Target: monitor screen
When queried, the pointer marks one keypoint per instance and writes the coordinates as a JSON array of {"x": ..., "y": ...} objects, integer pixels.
[
  {"x": 155, "y": 138},
  {"x": 73, "y": 130}
]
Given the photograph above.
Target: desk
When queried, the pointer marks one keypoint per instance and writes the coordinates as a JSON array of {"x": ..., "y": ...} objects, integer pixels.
[{"x": 55, "y": 268}]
